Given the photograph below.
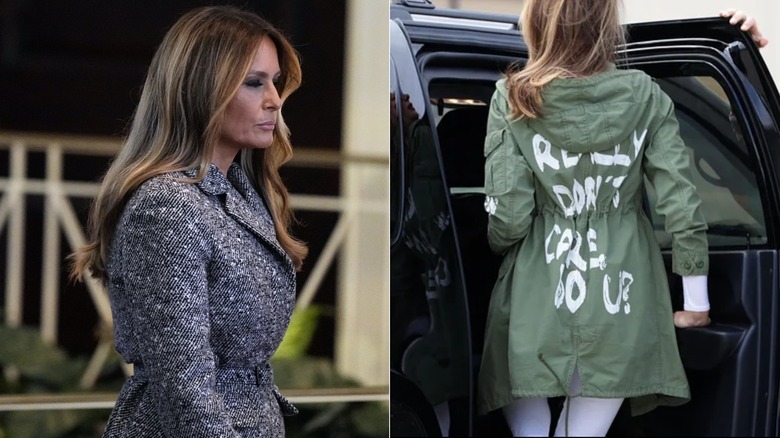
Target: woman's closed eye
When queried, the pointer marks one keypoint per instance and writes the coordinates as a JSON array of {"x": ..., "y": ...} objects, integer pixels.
[{"x": 258, "y": 79}]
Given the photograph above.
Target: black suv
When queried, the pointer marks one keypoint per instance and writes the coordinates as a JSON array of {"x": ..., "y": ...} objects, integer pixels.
[{"x": 444, "y": 64}]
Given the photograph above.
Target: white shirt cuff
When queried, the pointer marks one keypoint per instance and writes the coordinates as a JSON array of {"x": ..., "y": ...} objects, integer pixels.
[{"x": 695, "y": 293}]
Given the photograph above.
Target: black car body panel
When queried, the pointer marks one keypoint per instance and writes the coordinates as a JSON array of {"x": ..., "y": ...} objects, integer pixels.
[{"x": 442, "y": 271}]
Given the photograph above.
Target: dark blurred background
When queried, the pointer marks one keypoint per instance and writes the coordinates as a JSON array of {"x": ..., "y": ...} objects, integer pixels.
[{"x": 77, "y": 67}]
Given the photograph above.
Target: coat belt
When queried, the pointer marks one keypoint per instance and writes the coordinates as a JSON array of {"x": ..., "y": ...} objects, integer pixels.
[{"x": 261, "y": 375}]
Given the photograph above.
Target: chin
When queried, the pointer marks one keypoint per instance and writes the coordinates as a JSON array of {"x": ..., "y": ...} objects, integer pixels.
[{"x": 259, "y": 144}]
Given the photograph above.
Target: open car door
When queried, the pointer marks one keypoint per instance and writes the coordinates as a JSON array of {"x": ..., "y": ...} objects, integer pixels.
[
  {"x": 727, "y": 106},
  {"x": 430, "y": 339}
]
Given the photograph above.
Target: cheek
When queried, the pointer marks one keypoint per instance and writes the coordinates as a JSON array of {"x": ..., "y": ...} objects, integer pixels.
[
  {"x": 238, "y": 117},
  {"x": 229, "y": 125}
]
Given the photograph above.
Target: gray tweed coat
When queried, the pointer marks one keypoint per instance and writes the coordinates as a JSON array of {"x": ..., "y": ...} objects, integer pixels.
[{"x": 201, "y": 295}]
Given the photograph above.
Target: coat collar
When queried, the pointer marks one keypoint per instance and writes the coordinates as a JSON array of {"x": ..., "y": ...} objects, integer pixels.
[
  {"x": 213, "y": 183},
  {"x": 241, "y": 183},
  {"x": 241, "y": 202}
]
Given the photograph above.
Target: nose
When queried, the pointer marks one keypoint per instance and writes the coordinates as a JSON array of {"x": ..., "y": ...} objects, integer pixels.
[{"x": 272, "y": 101}]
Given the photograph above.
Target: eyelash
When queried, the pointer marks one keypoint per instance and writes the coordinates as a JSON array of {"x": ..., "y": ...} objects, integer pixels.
[{"x": 258, "y": 84}]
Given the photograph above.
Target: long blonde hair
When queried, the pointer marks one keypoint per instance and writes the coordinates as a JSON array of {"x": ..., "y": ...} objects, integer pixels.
[
  {"x": 195, "y": 72},
  {"x": 564, "y": 38}
]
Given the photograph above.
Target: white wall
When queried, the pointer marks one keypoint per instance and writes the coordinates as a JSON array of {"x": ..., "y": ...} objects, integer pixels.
[
  {"x": 766, "y": 11},
  {"x": 363, "y": 301}
]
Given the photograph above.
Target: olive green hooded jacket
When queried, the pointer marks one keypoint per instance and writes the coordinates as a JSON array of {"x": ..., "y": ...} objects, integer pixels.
[{"x": 583, "y": 283}]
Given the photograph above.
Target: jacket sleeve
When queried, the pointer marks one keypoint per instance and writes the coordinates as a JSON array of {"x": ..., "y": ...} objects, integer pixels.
[
  {"x": 166, "y": 252},
  {"x": 667, "y": 167},
  {"x": 509, "y": 182}
]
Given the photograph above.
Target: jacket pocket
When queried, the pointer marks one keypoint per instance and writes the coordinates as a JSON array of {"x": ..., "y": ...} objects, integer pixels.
[
  {"x": 495, "y": 162},
  {"x": 508, "y": 261}
]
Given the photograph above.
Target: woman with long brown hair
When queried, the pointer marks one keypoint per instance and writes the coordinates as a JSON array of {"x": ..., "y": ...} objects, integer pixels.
[
  {"x": 581, "y": 308},
  {"x": 190, "y": 233}
]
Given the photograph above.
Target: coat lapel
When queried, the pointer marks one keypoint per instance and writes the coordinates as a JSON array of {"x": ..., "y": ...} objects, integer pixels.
[{"x": 238, "y": 208}]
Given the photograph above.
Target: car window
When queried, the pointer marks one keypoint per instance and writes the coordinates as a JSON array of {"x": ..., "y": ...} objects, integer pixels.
[
  {"x": 722, "y": 167},
  {"x": 430, "y": 336}
]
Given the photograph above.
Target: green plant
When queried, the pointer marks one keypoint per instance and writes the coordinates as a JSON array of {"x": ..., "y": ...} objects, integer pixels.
[{"x": 35, "y": 367}]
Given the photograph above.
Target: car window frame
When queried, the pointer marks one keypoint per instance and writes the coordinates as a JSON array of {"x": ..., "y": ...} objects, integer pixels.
[{"x": 750, "y": 110}]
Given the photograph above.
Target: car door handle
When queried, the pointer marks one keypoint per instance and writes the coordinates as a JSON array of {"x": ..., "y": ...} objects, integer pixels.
[{"x": 704, "y": 348}]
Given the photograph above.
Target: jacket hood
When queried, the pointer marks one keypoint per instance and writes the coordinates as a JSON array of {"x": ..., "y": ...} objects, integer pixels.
[{"x": 591, "y": 114}]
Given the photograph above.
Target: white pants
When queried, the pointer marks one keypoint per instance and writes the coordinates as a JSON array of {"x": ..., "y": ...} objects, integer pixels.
[{"x": 585, "y": 416}]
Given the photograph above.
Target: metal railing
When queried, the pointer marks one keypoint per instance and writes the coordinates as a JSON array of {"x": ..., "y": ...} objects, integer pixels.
[
  {"x": 101, "y": 400},
  {"x": 60, "y": 219}
]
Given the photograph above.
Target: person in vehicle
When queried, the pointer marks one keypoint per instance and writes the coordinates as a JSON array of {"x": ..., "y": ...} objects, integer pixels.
[{"x": 581, "y": 308}]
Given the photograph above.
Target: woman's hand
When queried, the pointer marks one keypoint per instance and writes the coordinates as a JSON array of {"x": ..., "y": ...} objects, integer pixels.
[{"x": 748, "y": 25}]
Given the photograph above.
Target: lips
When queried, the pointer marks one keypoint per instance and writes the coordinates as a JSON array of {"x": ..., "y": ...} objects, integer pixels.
[{"x": 267, "y": 125}]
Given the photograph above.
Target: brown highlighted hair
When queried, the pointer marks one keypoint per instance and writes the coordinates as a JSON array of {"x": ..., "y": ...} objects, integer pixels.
[
  {"x": 565, "y": 38},
  {"x": 195, "y": 72}
]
